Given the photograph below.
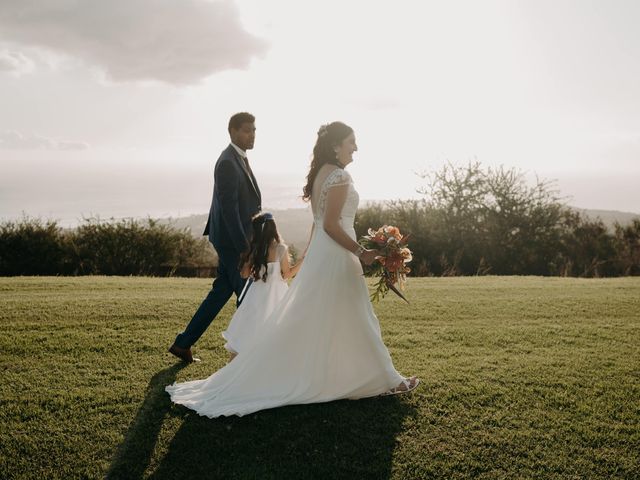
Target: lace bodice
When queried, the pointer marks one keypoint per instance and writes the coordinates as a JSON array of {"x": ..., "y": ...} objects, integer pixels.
[{"x": 336, "y": 178}]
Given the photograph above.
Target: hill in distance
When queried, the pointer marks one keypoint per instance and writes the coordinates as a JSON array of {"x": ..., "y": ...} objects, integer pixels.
[
  {"x": 610, "y": 217},
  {"x": 294, "y": 224}
]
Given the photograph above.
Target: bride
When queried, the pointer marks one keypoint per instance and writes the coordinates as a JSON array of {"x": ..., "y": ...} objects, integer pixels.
[{"x": 323, "y": 341}]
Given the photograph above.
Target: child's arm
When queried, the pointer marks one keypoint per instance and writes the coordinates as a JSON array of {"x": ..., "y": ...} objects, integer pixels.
[
  {"x": 291, "y": 271},
  {"x": 304, "y": 254},
  {"x": 288, "y": 271}
]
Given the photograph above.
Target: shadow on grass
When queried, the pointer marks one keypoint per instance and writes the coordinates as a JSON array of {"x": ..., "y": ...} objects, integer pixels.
[
  {"x": 134, "y": 454},
  {"x": 343, "y": 439}
]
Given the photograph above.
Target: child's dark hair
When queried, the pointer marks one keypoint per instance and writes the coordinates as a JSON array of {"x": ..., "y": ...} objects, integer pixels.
[{"x": 264, "y": 233}]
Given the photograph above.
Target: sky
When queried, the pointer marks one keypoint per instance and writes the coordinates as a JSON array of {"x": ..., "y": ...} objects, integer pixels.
[{"x": 120, "y": 108}]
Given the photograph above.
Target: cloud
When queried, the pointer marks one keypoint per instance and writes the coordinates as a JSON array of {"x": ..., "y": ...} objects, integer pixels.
[
  {"x": 12, "y": 140},
  {"x": 15, "y": 63},
  {"x": 173, "y": 41}
]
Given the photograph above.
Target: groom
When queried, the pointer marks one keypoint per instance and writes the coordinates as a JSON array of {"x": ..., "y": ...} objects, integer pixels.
[{"x": 236, "y": 198}]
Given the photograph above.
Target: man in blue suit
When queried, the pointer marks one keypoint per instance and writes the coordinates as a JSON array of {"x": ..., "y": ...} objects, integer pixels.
[{"x": 236, "y": 199}]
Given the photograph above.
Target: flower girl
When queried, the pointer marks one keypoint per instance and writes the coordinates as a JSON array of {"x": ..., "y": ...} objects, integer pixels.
[{"x": 266, "y": 265}]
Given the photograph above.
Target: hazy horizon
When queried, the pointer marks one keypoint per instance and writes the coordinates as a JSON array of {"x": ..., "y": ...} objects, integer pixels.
[
  {"x": 181, "y": 201},
  {"x": 120, "y": 108}
]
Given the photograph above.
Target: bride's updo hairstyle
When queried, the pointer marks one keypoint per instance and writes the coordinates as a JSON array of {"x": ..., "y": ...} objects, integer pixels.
[{"x": 330, "y": 136}]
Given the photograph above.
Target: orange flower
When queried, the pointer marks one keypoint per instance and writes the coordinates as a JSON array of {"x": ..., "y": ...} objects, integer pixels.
[{"x": 393, "y": 232}]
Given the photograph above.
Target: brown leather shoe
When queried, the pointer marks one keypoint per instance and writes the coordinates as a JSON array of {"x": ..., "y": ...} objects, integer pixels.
[{"x": 183, "y": 354}]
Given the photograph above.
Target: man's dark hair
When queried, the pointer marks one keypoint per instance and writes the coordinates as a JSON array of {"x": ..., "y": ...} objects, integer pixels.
[{"x": 238, "y": 119}]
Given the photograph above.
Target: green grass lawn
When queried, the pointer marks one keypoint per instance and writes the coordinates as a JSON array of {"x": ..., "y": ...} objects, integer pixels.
[{"x": 523, "y": 377}]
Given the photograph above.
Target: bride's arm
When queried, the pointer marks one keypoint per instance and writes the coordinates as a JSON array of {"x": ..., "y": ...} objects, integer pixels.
[{"x": 336, "y": 196}]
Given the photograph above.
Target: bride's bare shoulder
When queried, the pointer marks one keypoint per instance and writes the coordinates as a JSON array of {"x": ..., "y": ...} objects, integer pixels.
[
  {"x": 326, "y": 169},
  {"x": 323, "y": 173}
]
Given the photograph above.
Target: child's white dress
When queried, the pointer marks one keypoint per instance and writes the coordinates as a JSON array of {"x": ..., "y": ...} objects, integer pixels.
[{"x": 259, "y": 301}]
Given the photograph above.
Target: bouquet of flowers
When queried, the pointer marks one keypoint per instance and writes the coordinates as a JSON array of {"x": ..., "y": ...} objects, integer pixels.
[{"x": 391, "y": 266}]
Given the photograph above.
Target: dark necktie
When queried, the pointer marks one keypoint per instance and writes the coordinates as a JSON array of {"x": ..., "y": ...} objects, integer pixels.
[
  {"x": 250, "y": 172},
  {"x": 246, "y": 164}
]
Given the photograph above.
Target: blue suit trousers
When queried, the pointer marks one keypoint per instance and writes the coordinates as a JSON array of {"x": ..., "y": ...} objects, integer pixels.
[{"x": 227, "y": 282}]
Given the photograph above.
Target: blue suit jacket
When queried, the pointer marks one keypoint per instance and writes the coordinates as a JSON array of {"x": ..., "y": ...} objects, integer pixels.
[{"x": 236, "y": 198}]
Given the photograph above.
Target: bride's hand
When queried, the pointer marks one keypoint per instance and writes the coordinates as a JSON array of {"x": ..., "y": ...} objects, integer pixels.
[{"x": 369, "y": 256}]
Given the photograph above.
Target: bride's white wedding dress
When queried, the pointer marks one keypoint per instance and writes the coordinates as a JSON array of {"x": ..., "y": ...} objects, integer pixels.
[{"x": 321, "y": 343}]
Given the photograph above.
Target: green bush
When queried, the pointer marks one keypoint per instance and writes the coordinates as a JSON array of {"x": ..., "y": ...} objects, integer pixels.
[
  {"x": 32, "y": 247},
  {"x": 122, "y": 247},
  {"x": 475, "y": 221},
  {"x": 627, "y": 248}
]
